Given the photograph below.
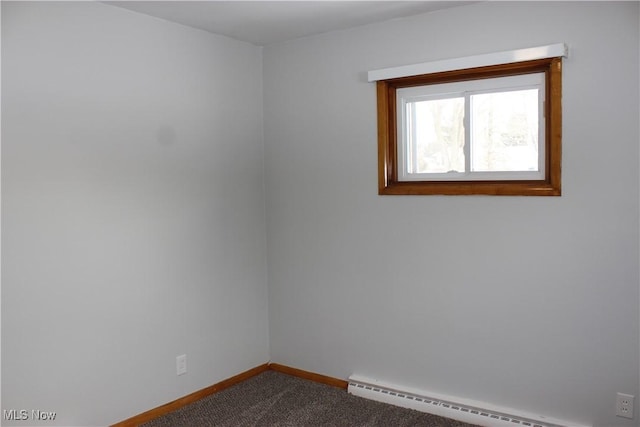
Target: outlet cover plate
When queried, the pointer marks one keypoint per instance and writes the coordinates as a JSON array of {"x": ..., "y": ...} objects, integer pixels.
[
  {"x": 624, "y": 405},
  {"x": 181, "y": 364}
]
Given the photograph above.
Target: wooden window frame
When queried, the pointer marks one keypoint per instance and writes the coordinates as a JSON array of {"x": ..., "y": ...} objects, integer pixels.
[{"x": 388, "y": 183}]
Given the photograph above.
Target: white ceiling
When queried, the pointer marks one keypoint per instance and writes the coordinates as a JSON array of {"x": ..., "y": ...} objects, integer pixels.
[{"x": 266, "y": 22}]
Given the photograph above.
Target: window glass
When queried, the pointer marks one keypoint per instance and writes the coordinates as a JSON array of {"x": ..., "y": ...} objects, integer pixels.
[
  {"x": 435, "y": 132},
  {"x": 504, "y": 131},
  {"x": 472, "y": 130}
]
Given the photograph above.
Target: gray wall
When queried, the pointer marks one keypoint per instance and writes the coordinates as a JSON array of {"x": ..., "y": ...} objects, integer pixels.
[
  {"x": 529, "y": 303},
  {"x": 132, "y": 210}
]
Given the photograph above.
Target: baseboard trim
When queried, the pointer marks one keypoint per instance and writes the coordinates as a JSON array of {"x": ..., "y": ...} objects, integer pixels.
[
  {"x": 311, "y": 376},
  {"x": 190, "y": 398},
  {"x": 207, "y": 391}
]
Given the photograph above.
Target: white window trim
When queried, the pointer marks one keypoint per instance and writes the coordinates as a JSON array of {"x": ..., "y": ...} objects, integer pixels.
[
  {"x": 466, "y": 89},
  {"x": 497, "y": 58}
]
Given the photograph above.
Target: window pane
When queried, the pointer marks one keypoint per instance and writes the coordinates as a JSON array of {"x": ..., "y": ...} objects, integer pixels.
[
  {"x": 504, "y": 131},
  {"x": 435, "y": 136}
]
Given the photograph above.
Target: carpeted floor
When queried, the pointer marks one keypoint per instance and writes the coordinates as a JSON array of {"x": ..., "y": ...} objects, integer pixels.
[{"x": 275, "y": 399}]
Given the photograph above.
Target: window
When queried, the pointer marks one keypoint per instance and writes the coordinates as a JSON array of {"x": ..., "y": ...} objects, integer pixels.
[{"x": 486, "y": 130}]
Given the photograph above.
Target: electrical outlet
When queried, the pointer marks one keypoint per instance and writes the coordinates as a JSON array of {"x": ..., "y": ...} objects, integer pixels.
[
  {"x": 624, "y": 405},
  {"x": 181, "y": 364}
]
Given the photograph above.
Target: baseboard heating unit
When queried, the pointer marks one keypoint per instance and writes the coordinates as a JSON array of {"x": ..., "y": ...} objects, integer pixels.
[{"x": 471, "y": 412}]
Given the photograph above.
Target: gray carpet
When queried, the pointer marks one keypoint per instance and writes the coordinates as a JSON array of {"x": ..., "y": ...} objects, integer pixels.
[{"x": 275, "y": 399}]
